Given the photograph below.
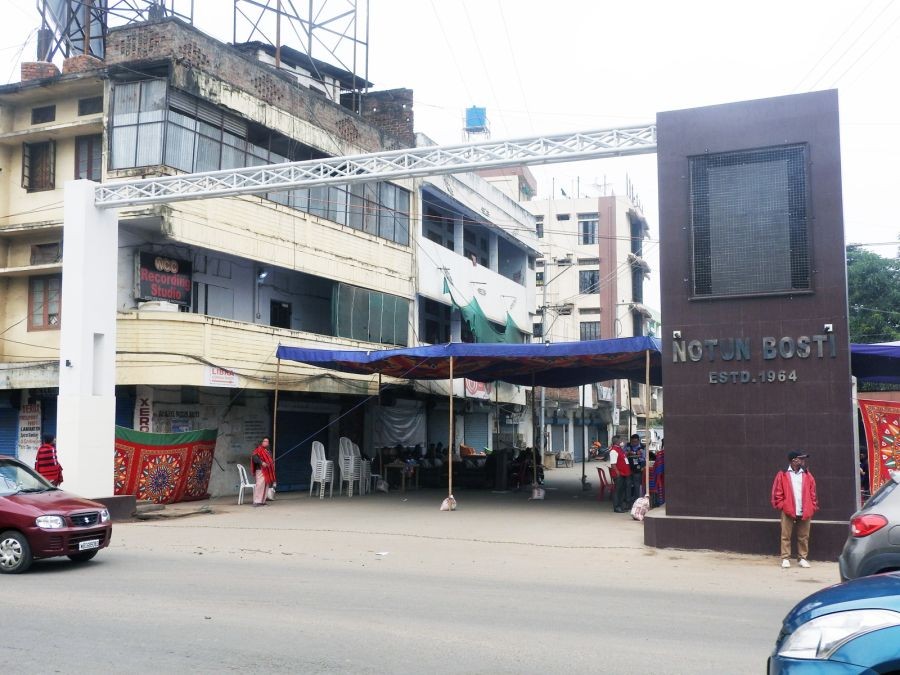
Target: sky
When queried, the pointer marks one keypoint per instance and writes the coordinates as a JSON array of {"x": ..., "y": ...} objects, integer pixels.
[{"x": 569, "y": 65}]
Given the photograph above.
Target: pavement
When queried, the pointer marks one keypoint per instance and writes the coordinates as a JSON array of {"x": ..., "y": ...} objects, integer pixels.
[{"x": 388, "y": 582}]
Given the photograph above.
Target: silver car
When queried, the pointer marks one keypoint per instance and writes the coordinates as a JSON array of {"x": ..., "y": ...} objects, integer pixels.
[{"x": 873, "y": 545}]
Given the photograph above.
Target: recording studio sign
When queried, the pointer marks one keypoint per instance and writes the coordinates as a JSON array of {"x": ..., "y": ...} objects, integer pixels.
[{"x": 162, "y": 278}]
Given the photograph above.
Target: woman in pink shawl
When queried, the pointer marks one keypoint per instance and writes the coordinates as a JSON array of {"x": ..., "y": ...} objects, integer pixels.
[{"x": 262, "y": 467}]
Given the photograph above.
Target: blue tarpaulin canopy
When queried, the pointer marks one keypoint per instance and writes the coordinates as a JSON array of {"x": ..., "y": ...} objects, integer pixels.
[
  {"x": 563, "y": 364},
  {"x": 876, "y": 362}
]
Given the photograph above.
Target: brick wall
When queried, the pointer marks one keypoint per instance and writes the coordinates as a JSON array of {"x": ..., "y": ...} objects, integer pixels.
[
  {"x": 36, "y": 70},
  {"x": 191, "y": 50},
  {"x": 390, "y": 110},
  {"x": 81, "y": 64}
]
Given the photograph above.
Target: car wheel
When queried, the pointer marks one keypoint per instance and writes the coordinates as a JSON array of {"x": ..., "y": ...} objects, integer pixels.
[
  {"x": 83, "y": 557},
  {"x": 15, "y": 553}
]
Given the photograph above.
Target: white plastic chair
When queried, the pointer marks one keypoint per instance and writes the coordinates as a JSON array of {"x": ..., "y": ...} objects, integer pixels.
[
  {"x": 365, "y": 471},
  {"x": 349, "y": 465},
  {"x": 322, "y": 470},
  {"x": 246, "y": 483}
]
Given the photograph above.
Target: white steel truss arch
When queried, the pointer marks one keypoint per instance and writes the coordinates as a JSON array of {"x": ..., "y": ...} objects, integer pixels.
[{"x": 389, "y": 165}]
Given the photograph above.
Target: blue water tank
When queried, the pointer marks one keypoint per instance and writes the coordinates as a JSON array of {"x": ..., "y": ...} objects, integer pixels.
[{"x": 476, "y": 119}]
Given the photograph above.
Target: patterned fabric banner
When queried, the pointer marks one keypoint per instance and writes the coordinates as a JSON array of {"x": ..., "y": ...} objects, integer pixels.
[
  {"x": 881, "y": 420},
  {"x": 164, "y": 468}
]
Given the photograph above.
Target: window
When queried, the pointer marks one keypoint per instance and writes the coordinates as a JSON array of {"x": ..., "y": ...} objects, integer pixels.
[
  {"x": 588, "y": 281},
  {"x": 39, "y": 166},
  {"x": 590, "y": 330},
  {"x": 46, "y": 254},
  {"x": 589, "y": 261},
  {"x": 587, "y": 226},
  {"x": 280, "y": 314},
  {"x": 43, "y": 114},
  {"x": 539, "y": 227},
  {"x": 90, "y": 106},
  {"x": 749, "y": 222},
  {"x": 562, "y": 216},
  {"x": 538, "y": 278},
  {"x": 154, "y": 125},
  {"x": 370, "y": 316},
  {"x": 139, "y": 110},
  {"x": 44, "y": 296},
  {"x": 88, "y": 151},
  {"x": 537, "y": 330}
]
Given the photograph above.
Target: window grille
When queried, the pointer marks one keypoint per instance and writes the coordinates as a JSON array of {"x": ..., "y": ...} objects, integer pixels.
[{"x": 749, "y": 222}]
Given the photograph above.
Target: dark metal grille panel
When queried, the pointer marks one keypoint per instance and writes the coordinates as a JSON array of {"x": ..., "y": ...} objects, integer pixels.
[{"x": 749, "y": 222}]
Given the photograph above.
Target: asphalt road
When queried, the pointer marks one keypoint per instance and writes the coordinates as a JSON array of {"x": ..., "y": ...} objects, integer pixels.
[{"x": 387, "y": 583}]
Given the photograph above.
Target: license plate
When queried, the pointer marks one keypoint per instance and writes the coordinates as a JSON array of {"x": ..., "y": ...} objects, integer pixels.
[{"x": 89, "y": 544}]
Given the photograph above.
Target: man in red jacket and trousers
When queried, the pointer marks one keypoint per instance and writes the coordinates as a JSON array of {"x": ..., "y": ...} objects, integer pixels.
[{"x": 794, "y": 494}]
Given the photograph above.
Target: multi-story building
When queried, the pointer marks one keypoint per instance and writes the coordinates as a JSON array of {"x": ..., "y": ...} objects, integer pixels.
[
  {"x": 589, "y": 285},
  {"x": 207, "y": 289}
]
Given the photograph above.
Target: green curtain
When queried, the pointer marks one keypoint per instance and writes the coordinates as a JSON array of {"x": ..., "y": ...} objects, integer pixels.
[{"x": 481, "y": 326}]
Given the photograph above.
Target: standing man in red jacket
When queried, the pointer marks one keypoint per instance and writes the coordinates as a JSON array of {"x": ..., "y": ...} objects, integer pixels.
[
  {"x": 618, "y": 459},
  {"x": 46, "y": 462},
  {"x": 794, "y": 494}
]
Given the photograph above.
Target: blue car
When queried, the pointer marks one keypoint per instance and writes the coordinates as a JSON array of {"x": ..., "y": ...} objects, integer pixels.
[{"x": 852, "y": 627}]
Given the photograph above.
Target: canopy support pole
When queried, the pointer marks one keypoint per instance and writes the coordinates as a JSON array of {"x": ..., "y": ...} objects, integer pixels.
[
  {"x": 584, "y": 450},
  {"x": 541, "y": 437},
  {"x": 450, "y": 447},
  {"x": 647, "y": 424},
  {"x": 275, "y": 409}
]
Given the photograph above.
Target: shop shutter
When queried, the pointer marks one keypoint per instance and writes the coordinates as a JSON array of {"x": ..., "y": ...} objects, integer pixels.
[
  {"x": 578, "y": 442},
  {"x": 9, "y": 431},
  {"x": 477, "y": 430},
  {"x": 48, "y": 416},
  {"x": 125, "y": 411}
]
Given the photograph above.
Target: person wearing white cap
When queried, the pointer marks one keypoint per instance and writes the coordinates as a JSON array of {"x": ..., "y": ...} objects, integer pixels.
[{"x": 794, "y": 494}]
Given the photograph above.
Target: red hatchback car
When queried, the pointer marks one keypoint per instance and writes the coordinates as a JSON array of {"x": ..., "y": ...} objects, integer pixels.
[{"x": 38, "y": 520}]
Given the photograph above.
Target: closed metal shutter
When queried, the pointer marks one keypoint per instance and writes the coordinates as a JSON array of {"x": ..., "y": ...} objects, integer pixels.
[
  {"x": 125, "y": 411},
  {"x": 9, "y": 431},
  {"x": 477, "y": 431},
  {"x": 296, "y": 433},
  {"x": 557, "y": 438},
  {"x": 578, "y": 442},
  {"x": 48, "y": 416}
]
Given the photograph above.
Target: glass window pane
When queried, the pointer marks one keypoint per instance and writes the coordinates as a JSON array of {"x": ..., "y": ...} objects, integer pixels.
[
  {"x": 125, "y": 103},
  {"x": 180, "y": 147},
  {"x": 360, "y": 317},
  {"x": 124, "y": 147},
  {"x": 153, "y": 100},
  {"x": 377, "y": 305},
  {"x": 207, "y": 154},
  {"x": 149, "y": 144},
  {"x": 318, "y": 201},
  {"x": 37, "y": 302}
]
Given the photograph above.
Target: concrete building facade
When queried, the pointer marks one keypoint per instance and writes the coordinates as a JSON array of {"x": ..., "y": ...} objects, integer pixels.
[{"x": 208, "y": 289}]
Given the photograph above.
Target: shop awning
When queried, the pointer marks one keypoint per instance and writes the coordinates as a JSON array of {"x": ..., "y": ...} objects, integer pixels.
[
  {"x": 876, "y": 362},
  {"x": 564, "y": 364}
]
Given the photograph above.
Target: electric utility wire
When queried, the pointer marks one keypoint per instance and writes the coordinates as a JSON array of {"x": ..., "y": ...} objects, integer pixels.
[
  {"x": 515, "y": 63},
  {"x": 833, "y": 45},
  {"x": 867, "y": 50},
  {"x": 852, "y": 44}
]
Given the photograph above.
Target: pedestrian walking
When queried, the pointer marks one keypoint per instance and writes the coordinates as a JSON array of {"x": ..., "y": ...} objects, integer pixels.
[
  {"x": 794, "y": 494},
  {"x": 46, "y": 462},
  {"x": 263, "y": 468}
]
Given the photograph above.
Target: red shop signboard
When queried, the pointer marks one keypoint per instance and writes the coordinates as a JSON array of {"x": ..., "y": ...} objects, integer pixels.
[{"x": 162, "y": 278}]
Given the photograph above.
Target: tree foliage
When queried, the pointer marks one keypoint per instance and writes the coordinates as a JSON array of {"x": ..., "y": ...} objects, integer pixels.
[{"x": 873, "y": 285}]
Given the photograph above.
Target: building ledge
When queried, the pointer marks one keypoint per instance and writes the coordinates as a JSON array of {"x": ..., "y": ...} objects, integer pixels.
[{"x": 83, "y": 125}]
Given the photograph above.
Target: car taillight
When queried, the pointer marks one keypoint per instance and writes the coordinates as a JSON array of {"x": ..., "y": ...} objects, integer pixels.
[{"x": 863, "y": 526}]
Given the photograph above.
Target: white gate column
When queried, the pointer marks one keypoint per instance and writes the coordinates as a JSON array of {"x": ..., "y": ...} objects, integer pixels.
[{"x": 87, "y": 343}]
